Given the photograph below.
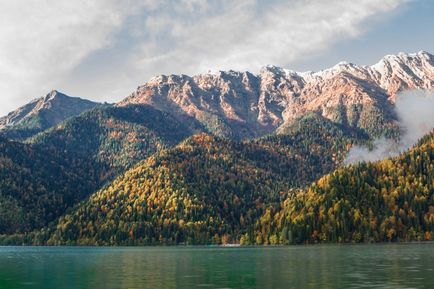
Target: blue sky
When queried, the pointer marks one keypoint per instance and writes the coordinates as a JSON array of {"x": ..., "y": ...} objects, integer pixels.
[
  {"x": 104, "y": 49},
  {"x": 409, "y": 28}
]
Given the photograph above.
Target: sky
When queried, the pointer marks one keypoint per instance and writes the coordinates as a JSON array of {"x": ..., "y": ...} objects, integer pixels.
[{"x": 103, "y": 49}]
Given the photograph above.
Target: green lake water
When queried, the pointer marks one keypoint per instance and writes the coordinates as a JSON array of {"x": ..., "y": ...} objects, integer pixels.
[{"x": 329, "y": 266}]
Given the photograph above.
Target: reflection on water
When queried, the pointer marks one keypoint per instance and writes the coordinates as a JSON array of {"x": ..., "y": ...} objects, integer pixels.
[{"x": 346, "y": 266}]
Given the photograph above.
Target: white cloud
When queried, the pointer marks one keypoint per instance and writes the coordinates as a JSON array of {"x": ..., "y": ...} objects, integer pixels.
[
  {"x": 408, "y": 105},
  {"x": 249, "y": 34},
  {"x": 43, "y": 43},
  {"x": 41, "y": 40}
]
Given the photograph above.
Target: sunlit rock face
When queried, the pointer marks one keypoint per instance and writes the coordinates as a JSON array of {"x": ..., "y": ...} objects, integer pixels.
[{"x": 244, "y": 105}]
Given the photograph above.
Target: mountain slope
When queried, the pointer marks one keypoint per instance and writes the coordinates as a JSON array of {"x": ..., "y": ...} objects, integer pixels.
[
  {"x": 114, "y": 138},
  {"x": 210, "y": 190},
  {"x": 205, "y": 190},
  {"x": 62, "y": 166},
  {"x": 242, "y": 105},
  {"x": 41, "y": 114},
  {"x": 391, "y": 200},
  {"x": 37, "y": 185}
]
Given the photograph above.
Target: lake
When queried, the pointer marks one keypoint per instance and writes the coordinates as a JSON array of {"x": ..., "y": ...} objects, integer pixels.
[{"x": 320, "y": 266}]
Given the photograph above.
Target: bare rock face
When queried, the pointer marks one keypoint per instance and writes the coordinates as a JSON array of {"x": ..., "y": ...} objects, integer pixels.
[
  {"x": 243, "y": 105},
  {"x": 42, "y": 113}
]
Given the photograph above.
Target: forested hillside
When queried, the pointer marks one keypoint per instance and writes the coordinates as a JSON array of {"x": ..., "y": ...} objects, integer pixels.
[
  {"x": 37, "y": 185},
  {"x": 391, "y": 200},
  {"x": 64, "y": 165},
  {"x": 211, "y": 190},
  {"x": 114, "y": 138},
  {"x": 206, "y": 190}
]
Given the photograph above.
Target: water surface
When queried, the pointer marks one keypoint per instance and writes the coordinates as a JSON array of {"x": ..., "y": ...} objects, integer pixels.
[{"x": 331, "y": 266}]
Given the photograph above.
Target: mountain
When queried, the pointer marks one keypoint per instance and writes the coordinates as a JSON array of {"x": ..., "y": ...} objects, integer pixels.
[
  {"x": 243, "y": 105},
  {"x": 58, "y": 168},
  {"x": 41, "y": 114},
  {"x": 209, "y": 190},
  {"x": 114, "y": 138},
  {"x": 390, "y": 200},
  {"x": 205, "y": 190},
  {"x": 213, "y": 159}
]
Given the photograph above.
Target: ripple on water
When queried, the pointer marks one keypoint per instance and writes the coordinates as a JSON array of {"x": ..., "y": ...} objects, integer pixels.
[{"x": 367, "y": 266}]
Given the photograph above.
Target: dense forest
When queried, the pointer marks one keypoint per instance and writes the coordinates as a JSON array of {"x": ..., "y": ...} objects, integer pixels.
[
  {"x": 214, "y": 191},
  {"x": 37, "y": 185},
  {"x": 115, "y": 137},
  {"x": 390, "y": 200},
  {"x": 57, "y": 168},
  {"x": 205, "y": 190}
]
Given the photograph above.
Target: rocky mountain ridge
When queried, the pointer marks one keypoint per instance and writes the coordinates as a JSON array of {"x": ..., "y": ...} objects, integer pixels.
[
  {"x": 242, "y": 105},
  {"x": 249, "y": 105}
]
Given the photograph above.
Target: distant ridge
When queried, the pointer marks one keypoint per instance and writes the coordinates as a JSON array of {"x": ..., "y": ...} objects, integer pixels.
[
  {"x": 244, "y": 105},
  {"x": 42, "y": 113}
]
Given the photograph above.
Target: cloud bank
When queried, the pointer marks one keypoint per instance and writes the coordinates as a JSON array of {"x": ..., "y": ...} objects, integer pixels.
[
  {"x": 104, "y": 48},
  {"x": 415, "y": 114}
]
